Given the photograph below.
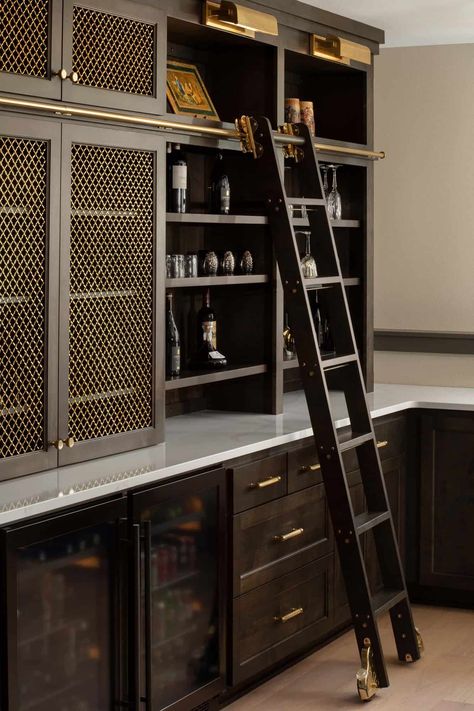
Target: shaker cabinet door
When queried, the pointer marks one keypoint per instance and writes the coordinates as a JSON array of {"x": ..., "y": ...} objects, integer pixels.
[
  {"x": 111, "y": 374},
  {"x": 114, "y": 54},
  {"x": 30, "y": 41},
  {"x": 29, "y": 249}
]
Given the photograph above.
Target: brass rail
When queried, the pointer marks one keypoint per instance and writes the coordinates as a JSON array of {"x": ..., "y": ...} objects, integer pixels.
[{"x": 174, "y": 126}]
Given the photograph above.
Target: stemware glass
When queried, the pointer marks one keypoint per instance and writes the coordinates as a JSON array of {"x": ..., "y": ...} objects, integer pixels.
[
  {"x": 324, "y": 171},
  {"x": 334, "y": 198},
  {"x": 308, "y": 263}
]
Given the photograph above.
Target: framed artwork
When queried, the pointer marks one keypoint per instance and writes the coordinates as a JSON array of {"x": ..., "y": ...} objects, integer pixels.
[{"x": 186, "y": 91}]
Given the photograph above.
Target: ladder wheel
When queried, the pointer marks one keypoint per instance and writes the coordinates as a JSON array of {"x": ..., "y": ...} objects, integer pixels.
[
  {"x": 419, "y": 641},
  {"x": 367, "y": 684}
]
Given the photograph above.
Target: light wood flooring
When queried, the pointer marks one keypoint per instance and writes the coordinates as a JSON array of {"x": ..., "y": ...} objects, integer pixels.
[{"x": 443, "y": 680}]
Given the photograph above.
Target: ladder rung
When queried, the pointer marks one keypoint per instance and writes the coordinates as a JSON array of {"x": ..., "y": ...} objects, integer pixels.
[
  {"x": 365, "y": 521},
  {"x": 306, "y": 201},
  {"x": 339, "y": 361},
  {"x": 355, "y": 441},
  {"x": 318, "y": 282},
  {"x": 386, "y": 599}
]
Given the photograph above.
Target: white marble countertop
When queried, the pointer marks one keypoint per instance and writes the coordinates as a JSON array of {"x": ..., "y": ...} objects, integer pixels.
[{"x": 202, "y": 440}]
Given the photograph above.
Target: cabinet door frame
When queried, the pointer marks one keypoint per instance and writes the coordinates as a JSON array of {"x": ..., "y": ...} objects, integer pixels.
[
  {"x": 36, "y": 531},
  {"x": 193, "y": 485},
  {"x": 117, "y": 138},
  {"x": 49, "y": 88},
  {"x": 109, "y": 98},
  {"x": 49, "y": 131}
]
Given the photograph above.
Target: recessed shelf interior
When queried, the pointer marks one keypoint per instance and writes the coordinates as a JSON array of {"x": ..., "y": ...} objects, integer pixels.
[
  {"x": 239, "y": 73},
  {"x": 338, "y": 92}
]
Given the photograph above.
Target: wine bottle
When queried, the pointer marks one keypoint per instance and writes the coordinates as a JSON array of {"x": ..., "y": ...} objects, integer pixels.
[
  {"x": 173, "y": 348},
  {"x": 178, "y": 177},
  {"x": 219, "y": 188},
  {"x": 206, "y": 319},
  {"x": 317, "y": 320},
  {"x": 207, "y": 356}
]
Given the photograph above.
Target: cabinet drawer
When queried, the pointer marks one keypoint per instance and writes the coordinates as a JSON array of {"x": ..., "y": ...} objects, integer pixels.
[
  {"x": 259, "y": 482},
  {"x": 391, "y": 436},
  {"x": 280, "y": 536},
  {"x": 282, "y": 617}
]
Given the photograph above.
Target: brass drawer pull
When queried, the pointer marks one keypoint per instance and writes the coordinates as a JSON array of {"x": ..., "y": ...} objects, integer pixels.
[
  {"x": 270, "y": 481},
  {"x": 310, "y": 468},
  {"x": 63, "y": 75},
  {"x": 382, "y": 443},
  {"x": 295, "y": 612},
  {"x": 294, "y": 533}
]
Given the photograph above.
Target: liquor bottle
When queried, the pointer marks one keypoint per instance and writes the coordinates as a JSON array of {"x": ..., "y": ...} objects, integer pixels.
[
  {"x": 206, "y": 319},
  {"x": 173, "y": 349},
  {"x": 289, "y": 350},
  {"x": 219, "y": 188},
  {"x": 178, "y": 180}
]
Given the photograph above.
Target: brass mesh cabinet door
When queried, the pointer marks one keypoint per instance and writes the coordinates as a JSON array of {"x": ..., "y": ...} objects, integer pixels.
[
  {"x": 30, "y": 47},
  {"x": 111, "y": 344},
  {"x": 29, "y": 218},
  {"x": 117, "y": 49}
]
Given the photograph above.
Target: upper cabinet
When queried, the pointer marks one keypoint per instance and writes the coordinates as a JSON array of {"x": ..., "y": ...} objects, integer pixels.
[{"x": 110, "y": 53}]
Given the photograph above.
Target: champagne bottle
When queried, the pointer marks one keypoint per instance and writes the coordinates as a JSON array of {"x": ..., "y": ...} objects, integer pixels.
[
  {"x": 173, "y": 348},
  {"x": 178, "y": 180},
  {"x": 206, "y": 319},
  {"x": 219, "y": 188}
]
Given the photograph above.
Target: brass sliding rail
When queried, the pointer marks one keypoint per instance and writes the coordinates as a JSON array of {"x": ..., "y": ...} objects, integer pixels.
[{"x": 175, "y": 126}]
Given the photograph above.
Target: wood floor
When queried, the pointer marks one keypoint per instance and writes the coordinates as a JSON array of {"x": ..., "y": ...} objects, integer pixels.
[{"x": 443, "y": 680}]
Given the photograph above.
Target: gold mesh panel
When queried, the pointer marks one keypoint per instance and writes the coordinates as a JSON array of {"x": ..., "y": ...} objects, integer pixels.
[
  {"x": 23, "y": 239},
  {"x": 111, "y": 52},
  {"x": 111, "y": 282},
  {"x": 24, "y": 30}
]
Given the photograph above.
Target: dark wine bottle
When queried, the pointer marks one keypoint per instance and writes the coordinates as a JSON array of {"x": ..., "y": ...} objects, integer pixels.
[
  {"x": 206, "y": 319},
  {"x": 219, "y": 188},
  {"x": 173, "y": 347},
  {"x": 178, "y": 180},
  {"x": 317, "y": 320}
]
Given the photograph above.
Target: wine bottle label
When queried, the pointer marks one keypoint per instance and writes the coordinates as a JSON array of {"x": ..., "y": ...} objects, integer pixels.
[
  {"x": 179, "y": 177},
  {"x": 215, "y": 355},
  {"x": 210, "y": 326}
]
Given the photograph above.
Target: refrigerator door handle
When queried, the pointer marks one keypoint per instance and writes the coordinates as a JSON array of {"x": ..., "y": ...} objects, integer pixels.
[{"x": 148, "y": 612}]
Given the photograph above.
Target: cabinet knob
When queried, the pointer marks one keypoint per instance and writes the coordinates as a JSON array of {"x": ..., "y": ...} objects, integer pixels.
[
  {"x": 63, "y": 75},
  {"x": 59, "y": 443},
  {"x": 69, "y": 442}
]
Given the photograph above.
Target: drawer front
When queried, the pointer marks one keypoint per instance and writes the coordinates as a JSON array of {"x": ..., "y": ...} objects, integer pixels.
[
  {"x": 280, "y": 536},
  {"x": 391, "y": 436},
  {"x": 282, "y": 617},
  {"x": 259, "y": 482}
]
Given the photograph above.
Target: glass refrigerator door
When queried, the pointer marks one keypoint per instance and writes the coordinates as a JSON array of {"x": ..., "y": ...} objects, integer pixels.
[
  {"x": 184, "y": 595},
  {"x": 64, "y": 593}
]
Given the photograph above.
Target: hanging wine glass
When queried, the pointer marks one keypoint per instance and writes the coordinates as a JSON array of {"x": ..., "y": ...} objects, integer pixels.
[
  {"x": 324, "y": 171},
  {"x": 334, "y": 198},
  {"x": 308, "y": 263}
]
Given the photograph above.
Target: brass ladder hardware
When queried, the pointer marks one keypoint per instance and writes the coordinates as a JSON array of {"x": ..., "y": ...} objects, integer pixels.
[
  {"x": 383, "y": 443},
  {"x": 289, "y": 149},
  {"x": 63, "y": 75},
  {"x": 66, "y": 442},
  {"x": 367, "y": 684},
  {"x": 294, "y": 612},
  {"x": 310, "y": 468},
  {"x": 294, "y": 533},
  {"x": 246, "y": 126},
  {"x": 270, "y": 481},
  {"x": 342, "y": 372}
]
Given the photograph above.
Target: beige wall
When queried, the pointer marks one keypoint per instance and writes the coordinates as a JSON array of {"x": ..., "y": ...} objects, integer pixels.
[{"x": 424, "y": 205}]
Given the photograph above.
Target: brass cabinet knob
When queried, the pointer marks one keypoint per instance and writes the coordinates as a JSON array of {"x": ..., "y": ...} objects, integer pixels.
[
  {"x": 58, "y": 443},
  {"x": 69, "y": 442},
  {"x": 63, "y": 75}
]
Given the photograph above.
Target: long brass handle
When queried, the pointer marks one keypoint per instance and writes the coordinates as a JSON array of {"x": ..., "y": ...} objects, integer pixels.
[
  {"x": 59, "y": 443},
  {"x": 287, "y": 536},
  {"x": 310, "y": 468},
  {"x": 382, "y": 443},
  {"x": 294, "y": 612},
  {"x": 63, "y": 75},
  {"x": 270, "y": 481}
]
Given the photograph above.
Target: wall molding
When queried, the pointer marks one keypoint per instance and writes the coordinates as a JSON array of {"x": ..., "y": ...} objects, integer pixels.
[{"x": 459, "y": 343}]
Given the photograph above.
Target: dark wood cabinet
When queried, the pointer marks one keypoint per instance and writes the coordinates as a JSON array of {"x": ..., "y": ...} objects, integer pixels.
[
  {"x": 447, "y": 501},
  {"x": 29, "y": 258}
]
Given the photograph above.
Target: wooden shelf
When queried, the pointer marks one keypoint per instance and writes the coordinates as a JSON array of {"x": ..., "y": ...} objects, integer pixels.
[
  {"x": 183, "y": 283},
  {"x": 351, "y": 281},
  {"x": 288, "y": 364},
  {"x": 193, "y": 378},
  {"x": 197, "y": 218},
  {"x": 304, "y": 222}
]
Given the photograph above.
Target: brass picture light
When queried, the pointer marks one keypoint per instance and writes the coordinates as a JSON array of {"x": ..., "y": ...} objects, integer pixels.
[
  {"x": 238, "y": 19},
  {"x": 338, "y": 49}
]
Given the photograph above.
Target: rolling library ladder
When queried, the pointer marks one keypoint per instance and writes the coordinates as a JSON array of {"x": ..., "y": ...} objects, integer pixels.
[{"x": 340, "y": 372}]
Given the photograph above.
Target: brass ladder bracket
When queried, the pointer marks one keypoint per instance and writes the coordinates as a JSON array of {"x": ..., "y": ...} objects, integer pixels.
[
  {"x": 291, "y": 151},
  {"x": 367, "y": 683},
  {"x": 246, "y": 126}
]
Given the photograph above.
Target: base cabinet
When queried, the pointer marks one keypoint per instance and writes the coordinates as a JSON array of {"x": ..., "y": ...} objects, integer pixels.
[{"x": 447, "y": 501}]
